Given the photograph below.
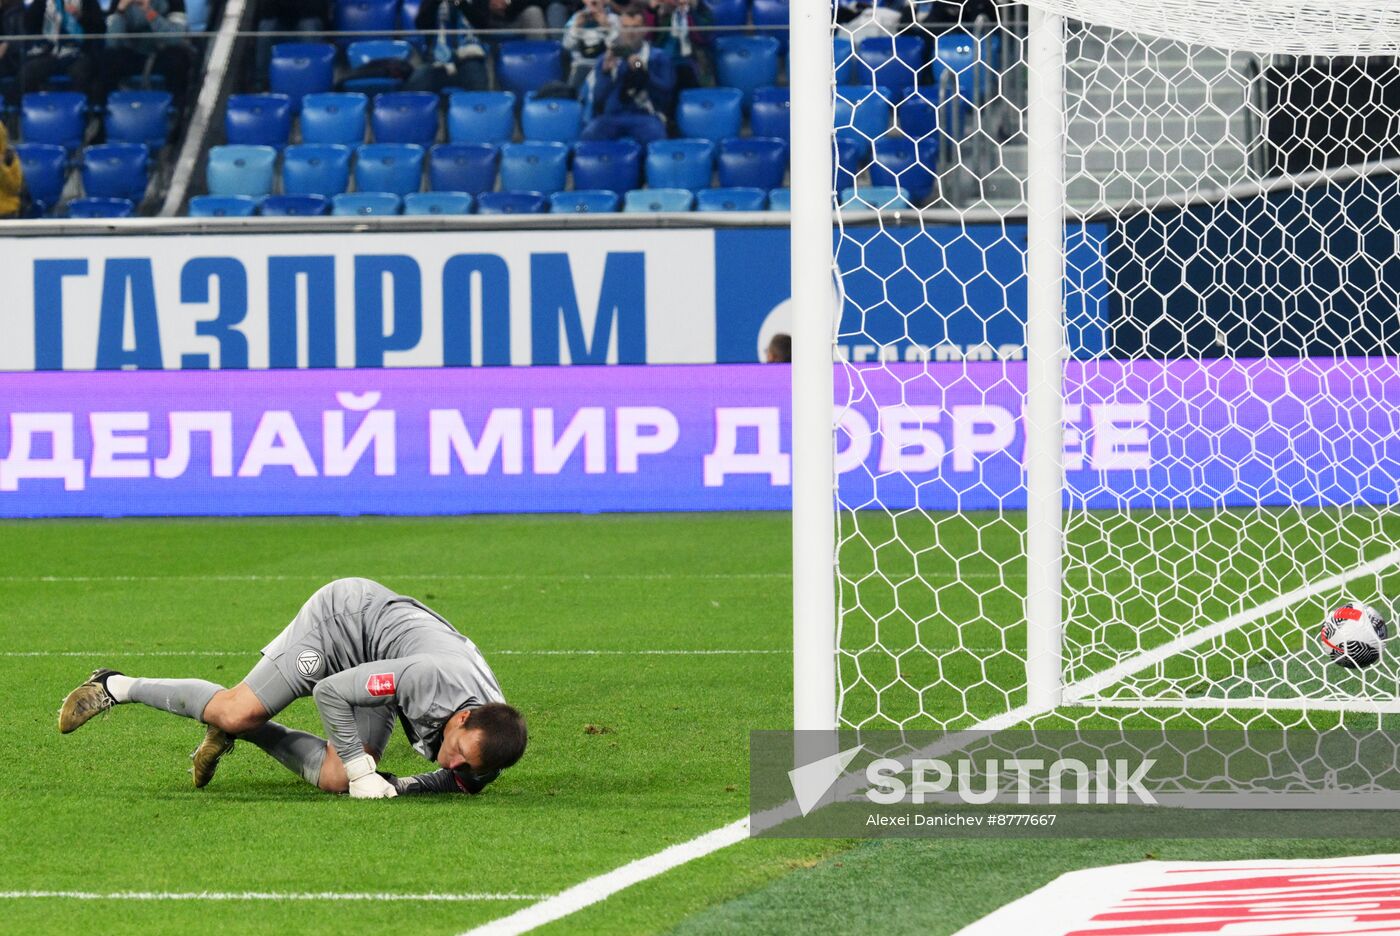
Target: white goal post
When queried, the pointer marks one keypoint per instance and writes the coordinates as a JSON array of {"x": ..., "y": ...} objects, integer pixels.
[{"x": 1115, "y": 317}]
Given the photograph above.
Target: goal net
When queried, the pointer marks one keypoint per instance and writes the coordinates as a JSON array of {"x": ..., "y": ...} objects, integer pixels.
[{"x": 1144, "y": 502}]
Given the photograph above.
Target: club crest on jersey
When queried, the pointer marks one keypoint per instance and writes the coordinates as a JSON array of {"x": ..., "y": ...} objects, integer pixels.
[
  {"x": 308, "y": 662},
  {"x": 380, "y": 684}
]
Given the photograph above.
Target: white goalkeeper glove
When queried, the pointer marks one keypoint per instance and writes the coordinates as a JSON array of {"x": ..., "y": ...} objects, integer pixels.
[{"x": 364, "y": 782}]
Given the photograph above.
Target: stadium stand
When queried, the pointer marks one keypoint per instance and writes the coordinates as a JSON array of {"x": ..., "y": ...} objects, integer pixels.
[
  {"x": 365, "y": 16},
  {"x": 658, "y": 199},
  {"x": 366, "y": 203},
  {"x": 240, "y": 170},
  {"x": 334, "y": 118},
  {"x": 139, "y": 117},
  {"x": 780, "y": 199},
  {"x": 752, "y": 162},
  {"x": 534, "y": 167},
  {"x": 437, "y": 203},
  {"x": 301, "y": 68},
  {"x": 492, "y": 203},
  {"x": 731, "y": 199},
  {"x": 528, "y": 64},
  {"x": 258, "y": 120},
  {"x": 769, "y": 114},
  {"x": 480, "y": 116},
  {"x": 584, "y": 201},
  {"x": 58, "y": 117},
  {"x": 611, "y": 165},
  {"x": 101, "y": 208},
  {"x": 556, "y": 120},
  {"x": 710, "y": 113},
  {"x": 223, "y": 206},
  {"x": 680, "y": 164},
  {"x": 45, "y": 167},
  {"x": 746, "y": 62},
  {"x": 463, "y": 167},
  {"x": 115, "y": 170},
  {"x": 405, "y": 117},
  {"x": 316, "y": 169},
  {"x": 892, "y": 62},
  {"x": 294, "y": 206},
  {"x": 900, "y": 163},
  {"x": 389, "y": 167}
]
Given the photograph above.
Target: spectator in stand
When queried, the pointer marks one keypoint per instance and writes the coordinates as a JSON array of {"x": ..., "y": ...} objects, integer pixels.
[
  {"x": 286, "y": 16},
  {"x": 557, "y": 14},
  {"x": 11, "y": 53},
  {"x": 630, "y": 90},
  {"x": 55, "y": 55},
  {"x": 455, "y": 55},
  {"x": 11, "y": 177},
  {"x": 505, "y": 15},
  {"x": 675, "y": 22},
  {"x": 589, "y": 33},
  {"x": 779, "y": 349},
  {"x": 125, "y": 56}
]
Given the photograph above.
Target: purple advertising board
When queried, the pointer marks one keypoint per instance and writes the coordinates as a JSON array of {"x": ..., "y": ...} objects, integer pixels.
[{"x": 705, "y": 437}]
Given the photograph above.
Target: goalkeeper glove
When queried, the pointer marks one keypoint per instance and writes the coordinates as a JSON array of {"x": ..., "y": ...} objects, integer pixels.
[{"x": 364, "y": 782}]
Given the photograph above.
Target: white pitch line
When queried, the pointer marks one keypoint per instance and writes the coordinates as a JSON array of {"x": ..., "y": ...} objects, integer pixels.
[
  {"x": 251, "y": 653},
  {"x": 257, "y": 895},
  {"x": 595, "y": 889}
]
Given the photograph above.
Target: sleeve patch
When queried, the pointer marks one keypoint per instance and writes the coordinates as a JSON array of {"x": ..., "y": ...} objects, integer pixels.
[{"x": 380, "y": 684}]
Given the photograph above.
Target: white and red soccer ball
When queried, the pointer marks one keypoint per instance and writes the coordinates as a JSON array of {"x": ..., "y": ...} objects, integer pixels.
[{"x": 1352, "y": 634}]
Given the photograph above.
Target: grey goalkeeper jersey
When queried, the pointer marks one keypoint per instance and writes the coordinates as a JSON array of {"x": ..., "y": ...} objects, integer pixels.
[{"x": 382, "y": 649}]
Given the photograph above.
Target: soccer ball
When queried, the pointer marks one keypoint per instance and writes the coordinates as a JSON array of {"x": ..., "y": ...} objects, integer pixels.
[{"x": 1352, "y": 634}]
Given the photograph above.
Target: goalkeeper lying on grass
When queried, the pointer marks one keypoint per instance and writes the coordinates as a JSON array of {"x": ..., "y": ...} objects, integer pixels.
[{"x": 365, "y": 655}]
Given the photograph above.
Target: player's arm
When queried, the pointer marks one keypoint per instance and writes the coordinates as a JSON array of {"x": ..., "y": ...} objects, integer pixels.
[
  {"x": 441, "y": 781},
  {"x": 370, "y": 684}
]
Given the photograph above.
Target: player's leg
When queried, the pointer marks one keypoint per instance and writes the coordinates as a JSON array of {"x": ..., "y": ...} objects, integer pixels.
[
  {"x": 106, "y": 688},
  {"x": 244, "y": 711},
  {"x": 375, "y": 725}
]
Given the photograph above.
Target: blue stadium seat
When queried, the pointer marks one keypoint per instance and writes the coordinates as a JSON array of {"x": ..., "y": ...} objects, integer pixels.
[
  {"x": 334, "y": 118},
  {"x": 584, "y": 201},
  {"x": 365, "y": 16},
  {"x": 746, "y": 62},
  {"x": 494, "y": 203},
  {"x": 710, "y": 113},
  {"x": 658, "y": 199},
  {"x": 731, "y": 199},
  {"x": 614, "y": 165},
  {"x": 222, "y": 206},
  {"x": 770, "y": 114},
  {"x": 138, "y": 117},
  {"x": 893, "y": 62},
  {"x": 480, "y": 116},
  {"x": 729, "y": 12},
  {"x": 437, "y": 203},
  {"x": 960, "y": 54},
  {"x": 362, "y": 53},
  {"x": 752, "y": 162},
  {"x": 45, "y": 168},
  {"x": 408, "y": 17},
  {"x": 556, "y": 120},
  {"x": 115, "y": 170},
  {"x": 534, "y": 167},
  {"x": 916, "y": 116},
  {"x": 852, "y": 157},
  {"x": 528, "y": 64},
  {"x": 405, "y": 117},
  {"x": 873, "y": 198},
  {"x": 240, "y": 170},
  {"x": 258, "y": 120},
  {"x": 301, "y": 68},
  {"x": 389, "y": 167},
  {"x": 780, "y": 199},
  {"x": 463, "y": 167},
  {"x": 57, "y": 117},
  {"x": 294, "y": 206},
  {"x": 842, "y": 58},
  {"x": 897, "y": 163},
  {"x": 774, "y": 15},
  {"x": 316, "y": 169},
  {"x": 863, "y": 108},
  {"x": 680, "y": 164},
  {"x": 366, "y": 203},
  {"x": 101, "y": 208}
]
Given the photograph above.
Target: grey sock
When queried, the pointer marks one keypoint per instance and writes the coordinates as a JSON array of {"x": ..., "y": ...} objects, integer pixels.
[
  {"x": 300, "y": 752},
  {"x": 186, "y": 697}
]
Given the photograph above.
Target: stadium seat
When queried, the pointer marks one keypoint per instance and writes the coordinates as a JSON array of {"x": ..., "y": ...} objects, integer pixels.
[
  {"x": 614, "y": 165},
  {"x": 405, "y": 117},
  {"x": 57, "y": 117},
  {"x": 362, "y": 53},
  {"x": 101, "y": 208},
  {"x": 556, "y": 120},
  {"x": 463, "y": 167},
  {"x": 770, "y": 114},
  {"x": 223, "y": 206},
  {"x": 115, "y": 170},
  {"x": 366, "y": 203},
  {"x": 729, "y": 12},
  {"x": 534, "y": 167},
  {"x": 294, "y": 206},
  {"x": 316, "y": 169},
  {"x": 893, "y": 62},
  {"x": 138, "y": 117},
  {"x": 258, "y": 120},
  {"x": 45, "y": 167},
  {"x": 772, "y": 14},
  {"x": 437, "y": 203},
  {"x": 301, "y": 68},
  {"x": 746, "y": 62},
  {"x": 365, "y": 16},
  {"x": 897, "y": 163},
  {"x": 480, "y": 116},
  {"x": 494, "y": 203},
  {"x": 528, "y": 64},
  {"x": 752, "y": 162},
  {"x": 240, "y": 170},
  {"x": 584, "y": 201},
  {"x": 389, "y": 167},
  {"x": 863, "y": 108},
  {"x": 334, "y": 118},
  {"x": 680, "y": 164},
  {"x": 408, "y": 17},
  {"x": 731, "y": 199},
  {"x": 916, "y": 116},
  {"x": 958, "y": 53},
  {"x": 842, "y": 58},
  {"x": 658, "y": 199},
  {"x": 780, "y": 199},
  {"x": 873, "y": 197},
  {"x": 710, "y": 113},
  {"x": 852, "y": 157}
]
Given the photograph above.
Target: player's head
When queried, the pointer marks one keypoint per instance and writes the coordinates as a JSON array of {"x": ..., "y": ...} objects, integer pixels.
[
  {"x": 780, "y": 349},
  {"x": 481, "y": 740}
]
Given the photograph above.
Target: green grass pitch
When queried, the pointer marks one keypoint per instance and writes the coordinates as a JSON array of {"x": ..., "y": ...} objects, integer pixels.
[{"x": 634, "y": 747}]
